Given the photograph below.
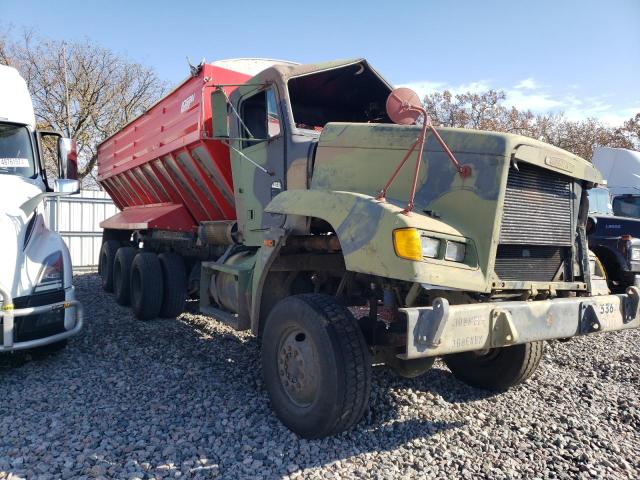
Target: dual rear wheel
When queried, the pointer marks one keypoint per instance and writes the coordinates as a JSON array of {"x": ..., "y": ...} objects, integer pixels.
[{"x": 153, "y": 285}]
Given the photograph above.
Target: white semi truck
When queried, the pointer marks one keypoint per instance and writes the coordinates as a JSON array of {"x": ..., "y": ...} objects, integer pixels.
[{"x": 38, "y": 306}]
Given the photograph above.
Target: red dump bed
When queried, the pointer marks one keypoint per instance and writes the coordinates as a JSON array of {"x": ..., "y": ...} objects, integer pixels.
[{"x": 162, "y": 169}]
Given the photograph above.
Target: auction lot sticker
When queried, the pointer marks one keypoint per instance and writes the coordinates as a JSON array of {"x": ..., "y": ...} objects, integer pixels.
[{"x": 14, "y": 162}]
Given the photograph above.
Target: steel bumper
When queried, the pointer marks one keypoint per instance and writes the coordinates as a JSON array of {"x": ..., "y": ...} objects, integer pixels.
[
  {"x": 8, "y": 314},
  {"x": 442, "y": 328}
]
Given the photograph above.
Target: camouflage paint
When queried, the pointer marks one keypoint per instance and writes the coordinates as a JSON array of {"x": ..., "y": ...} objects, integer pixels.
[{"x": 352, "y": 163}]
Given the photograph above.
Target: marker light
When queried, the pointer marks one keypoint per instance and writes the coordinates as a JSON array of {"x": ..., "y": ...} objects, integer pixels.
[{"x": 407, "y": 244}]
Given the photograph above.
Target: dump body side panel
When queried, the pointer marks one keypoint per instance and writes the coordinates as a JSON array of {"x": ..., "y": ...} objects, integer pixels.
[{"x": 167, "y": 156}]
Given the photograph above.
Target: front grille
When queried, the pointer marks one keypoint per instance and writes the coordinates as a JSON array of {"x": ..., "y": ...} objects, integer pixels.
[
  {"x": 537, "y": 225},
  {"x": 537, "y": 208},
  {"x": 536, "y": 263}
]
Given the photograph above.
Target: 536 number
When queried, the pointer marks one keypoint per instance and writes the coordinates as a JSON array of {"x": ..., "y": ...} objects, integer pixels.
[{"x": 606, "y": 308}]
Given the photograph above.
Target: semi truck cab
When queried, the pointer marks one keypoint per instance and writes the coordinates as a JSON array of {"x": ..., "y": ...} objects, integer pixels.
[{"x": 38, "y": 306}]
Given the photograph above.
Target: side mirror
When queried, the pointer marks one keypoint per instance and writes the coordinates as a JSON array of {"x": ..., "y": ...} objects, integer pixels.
[
  {"x": 65, "y": 185},
  {"x": 68, "y": 158},
  {"x": 219, "y": 114}
]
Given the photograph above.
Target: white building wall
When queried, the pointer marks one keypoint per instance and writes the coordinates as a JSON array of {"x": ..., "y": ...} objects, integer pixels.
[{"x": 77, "y": 219}]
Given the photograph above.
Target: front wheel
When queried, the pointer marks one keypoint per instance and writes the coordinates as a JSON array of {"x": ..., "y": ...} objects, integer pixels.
[
  {"x": 497, "y": 368},
  {"x": 316, "y": 365}
]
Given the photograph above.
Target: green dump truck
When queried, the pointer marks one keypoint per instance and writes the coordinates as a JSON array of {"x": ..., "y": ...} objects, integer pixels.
[{"x": 287, "y": 200}]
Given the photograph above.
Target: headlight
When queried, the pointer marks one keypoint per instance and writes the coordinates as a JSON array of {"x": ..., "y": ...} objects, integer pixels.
[
  {"x": 635, "y": 254},
  {"x": 411, "y": 244},
  {"x": 51, "y": 276},
  {"x": 455, "y": 251},
  {"x": 430, "y": 247}
]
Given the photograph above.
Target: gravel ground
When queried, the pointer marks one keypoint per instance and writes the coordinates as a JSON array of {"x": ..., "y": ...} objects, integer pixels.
[{"x": 184, "y": 398}]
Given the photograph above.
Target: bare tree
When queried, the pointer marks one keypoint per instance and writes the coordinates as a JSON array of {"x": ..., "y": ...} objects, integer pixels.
[
  {"x": 487, "y": 111},
  {"x": 83, "y": 90},
  {"x": 631, "y": 130}
]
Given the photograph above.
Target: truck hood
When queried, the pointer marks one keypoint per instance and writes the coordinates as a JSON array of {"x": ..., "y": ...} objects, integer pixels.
[
  {"x": 14, "y": 191},
  {"x": 361, "y": 158}
]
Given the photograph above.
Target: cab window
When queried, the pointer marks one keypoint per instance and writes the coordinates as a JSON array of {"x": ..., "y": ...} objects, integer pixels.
[{"x": 260, "y": 118}]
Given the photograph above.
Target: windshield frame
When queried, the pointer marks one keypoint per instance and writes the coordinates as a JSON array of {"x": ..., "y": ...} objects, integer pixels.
[{"x": 34, "y": 160}]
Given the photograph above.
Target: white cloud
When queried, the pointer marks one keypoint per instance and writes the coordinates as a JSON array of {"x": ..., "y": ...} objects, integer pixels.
[
  {"x": 529, "y": 94},
  {"x": 527, "y": 84},
  {"x": 537, "y": 102}
]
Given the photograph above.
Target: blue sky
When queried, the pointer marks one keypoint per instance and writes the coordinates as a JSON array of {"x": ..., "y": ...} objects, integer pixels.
[{"x": 579, "y": 56}]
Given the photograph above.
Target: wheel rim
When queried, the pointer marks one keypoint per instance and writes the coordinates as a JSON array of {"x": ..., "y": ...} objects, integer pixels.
[{"x": 298, "y": 367}]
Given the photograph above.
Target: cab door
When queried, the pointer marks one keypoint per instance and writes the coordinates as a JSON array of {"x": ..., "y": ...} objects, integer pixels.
[{"x": 259, "y": 158}]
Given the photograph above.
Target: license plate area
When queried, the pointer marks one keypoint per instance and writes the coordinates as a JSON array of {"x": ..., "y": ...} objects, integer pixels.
[{"x": 602, "y": 314}]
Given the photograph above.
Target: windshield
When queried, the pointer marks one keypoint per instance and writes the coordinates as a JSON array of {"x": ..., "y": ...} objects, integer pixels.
[
  {"x": 599, "y": 201},
  {"x": 627, "y": 206},
  {"x": 16, "y": 153}
]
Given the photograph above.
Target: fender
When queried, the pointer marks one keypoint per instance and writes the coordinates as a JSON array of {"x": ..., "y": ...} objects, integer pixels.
[{"x": 364, "y": 227}]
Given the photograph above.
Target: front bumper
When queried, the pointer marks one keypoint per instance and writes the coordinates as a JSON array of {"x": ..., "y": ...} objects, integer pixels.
[
  {"x": 73, "y": 317},
  {"x": 443, "y": 329}
]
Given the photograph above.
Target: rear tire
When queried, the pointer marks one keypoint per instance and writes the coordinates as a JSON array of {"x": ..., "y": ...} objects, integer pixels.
[
  {"x": 316, "y": 365},
  {"x": 499, "y": 368},
  {"x": 122, "y": 274},
  {"x": 174, "y": 276},
  {"x": 105, "y": 264},
  {"x": 146, "y": 286}
]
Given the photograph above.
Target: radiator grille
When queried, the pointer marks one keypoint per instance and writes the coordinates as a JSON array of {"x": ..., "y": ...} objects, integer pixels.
[
  {"x": 533, "y": 263},
  {"x": 537, "y": 208}
]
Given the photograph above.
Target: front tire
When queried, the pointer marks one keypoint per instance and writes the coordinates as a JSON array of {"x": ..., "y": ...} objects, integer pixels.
[
  {"x": 316, "y": 365},
  {"x": 146, "y": 286},
  {"x": 497, "y": 369}
]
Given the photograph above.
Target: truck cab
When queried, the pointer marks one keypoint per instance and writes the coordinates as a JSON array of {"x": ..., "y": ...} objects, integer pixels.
[{"x": 38, "y": 303}]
